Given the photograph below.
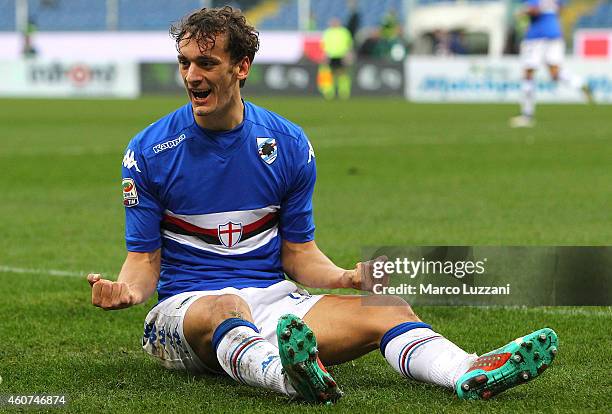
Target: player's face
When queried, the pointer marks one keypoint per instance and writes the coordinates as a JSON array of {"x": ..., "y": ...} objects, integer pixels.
[{"x": 211, "y": 79}]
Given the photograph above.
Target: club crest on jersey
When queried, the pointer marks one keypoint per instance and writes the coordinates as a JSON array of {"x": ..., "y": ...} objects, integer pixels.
[
  {"x": 267, "y": 149},
  {"x": 230, "y": 233},
  {"x": 130, "y": 195}
]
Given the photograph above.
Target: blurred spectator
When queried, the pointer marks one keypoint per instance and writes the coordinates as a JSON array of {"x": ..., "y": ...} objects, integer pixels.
[
  {"x": 517, "y": 27},
  {"x": 375, "y": 46},
  {"x": 457, "y": 43},
  {"x": 391, "y": 43},
  {"x": 28, "y": 49},
  {"x": 354, "y": 20},
  {"x": 372, "y": 46},
  {"x": 52, "y": 4},
  {"x": 441, "y": 43},
  {"x": 338, "y": 46},
  {"x": 312, "y": 22},
  {"x": 390, "y": 29}
]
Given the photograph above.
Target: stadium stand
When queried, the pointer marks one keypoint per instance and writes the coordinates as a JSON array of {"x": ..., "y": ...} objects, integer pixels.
[
  {"x": 573, "y": 11},
  {"x": 324, "y": 10},
  {"x": 425, "y": 2},
  {"x": 7, "y": 17},
  {"x": 257, "y": 12},
  {"x": 152, "y": 14},
  {"x": 284, "y": 18},
  {"x": 600, "y": 17},
  {"x": 68, "y": 14}
]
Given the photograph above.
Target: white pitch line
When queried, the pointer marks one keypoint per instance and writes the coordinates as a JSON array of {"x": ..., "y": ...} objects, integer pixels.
[
  {"x": 570, "y": 311},
  {"x": 557, "y": 310},
  {"x": 62, "y": 151},
  {"x": 561, "y": 310},
  {"x": 47, "y": 272}
]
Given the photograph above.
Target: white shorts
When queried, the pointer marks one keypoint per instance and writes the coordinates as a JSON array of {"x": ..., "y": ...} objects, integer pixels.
[
  {"x": 163, "y": 336},
  {"x": 534, "y": 52}
]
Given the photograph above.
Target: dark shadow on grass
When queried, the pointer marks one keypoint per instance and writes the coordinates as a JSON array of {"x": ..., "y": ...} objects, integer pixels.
[{"x": 122, "y": 375}]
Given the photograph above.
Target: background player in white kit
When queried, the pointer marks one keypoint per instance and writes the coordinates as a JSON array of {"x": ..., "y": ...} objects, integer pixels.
[
  {"x": 543, "y": 44},
  {"x": 218, "y": 198}
]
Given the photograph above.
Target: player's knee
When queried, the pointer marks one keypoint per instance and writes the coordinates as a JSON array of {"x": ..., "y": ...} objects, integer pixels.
[
  {"x": 404, "y": 309},
  {"x": 554, "y": 73},
  {"x": 390, "y": 313},
  {"x": 396, "y": 305},
  {"x": 229, "y": 306}
]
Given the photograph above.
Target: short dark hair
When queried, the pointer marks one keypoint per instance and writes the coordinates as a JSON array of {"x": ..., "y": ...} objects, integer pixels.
[{"x": 205, "y": 24}]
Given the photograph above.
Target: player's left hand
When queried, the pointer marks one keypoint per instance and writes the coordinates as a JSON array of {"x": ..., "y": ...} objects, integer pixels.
[
  {"x": 363, "y": 276},
  {"x": 108, "y": 294}
]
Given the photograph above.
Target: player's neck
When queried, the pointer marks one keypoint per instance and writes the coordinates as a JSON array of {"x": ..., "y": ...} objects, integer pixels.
[{"x": 226, "y": 120}]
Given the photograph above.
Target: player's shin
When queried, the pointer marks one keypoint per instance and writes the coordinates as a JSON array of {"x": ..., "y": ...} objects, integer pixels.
[
  {"x": 414, "y": 350},
  {"x": 249, "y": 358},
  {"x": 570, "y": 79},
  {"x": 528, "y": 97}
]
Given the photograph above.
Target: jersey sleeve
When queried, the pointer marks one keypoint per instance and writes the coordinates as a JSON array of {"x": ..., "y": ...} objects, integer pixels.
[
  {"x": 296, "y": 221},
  {"x": 532, "y": 3},
  {"x": 143, "y": 211}
]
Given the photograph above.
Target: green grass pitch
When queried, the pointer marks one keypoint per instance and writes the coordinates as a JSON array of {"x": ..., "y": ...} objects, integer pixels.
[{"x": 389, "y": 172}]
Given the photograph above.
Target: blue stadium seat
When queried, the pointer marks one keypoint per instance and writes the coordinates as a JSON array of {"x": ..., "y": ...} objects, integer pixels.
[
  {"x": 68, "y": 14},
  {"x": 285, "y": 19},
  {"x": 371, "y": 13},
  {"x": 7, "y": 17},
  {"x": 601, "y": 17},
  {"x": 153, "y": 14},
  {"x": 159, "y": 14}
]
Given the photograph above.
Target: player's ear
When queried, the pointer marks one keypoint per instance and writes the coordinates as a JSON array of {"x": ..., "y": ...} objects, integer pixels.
[{"x": 242, "y": 68}]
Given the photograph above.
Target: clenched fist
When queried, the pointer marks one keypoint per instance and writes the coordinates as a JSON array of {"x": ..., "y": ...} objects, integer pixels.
[
  {"x": 109, "y": 295},
  {"x": 364, "y": 276}
]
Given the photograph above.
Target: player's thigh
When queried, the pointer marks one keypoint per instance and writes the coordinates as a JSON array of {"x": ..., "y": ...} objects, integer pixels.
[
  {"x": 532, "y": 53},
  {"x": 554, "y": 53},
  {"x": 166, "y": 339},
  {"x": 202, "y": 318},
  {"x": 347, "y": 327}
]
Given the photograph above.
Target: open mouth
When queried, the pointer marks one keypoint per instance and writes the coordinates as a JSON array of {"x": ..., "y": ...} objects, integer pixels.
[{"x": 201, "y": 93}]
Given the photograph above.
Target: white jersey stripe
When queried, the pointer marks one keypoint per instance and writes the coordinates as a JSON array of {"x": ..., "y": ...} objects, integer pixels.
[{"x": 244, "y": 246}]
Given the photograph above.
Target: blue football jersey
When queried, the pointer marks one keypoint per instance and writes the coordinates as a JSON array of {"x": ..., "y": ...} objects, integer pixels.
[
  {"x": 218, "y": 203},
  {"x": 545, "y": 25}
]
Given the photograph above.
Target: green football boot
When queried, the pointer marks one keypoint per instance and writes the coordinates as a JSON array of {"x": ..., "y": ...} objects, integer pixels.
[
  {"x": 520, "y": 361},
  {"x": 300, "y": 359}
]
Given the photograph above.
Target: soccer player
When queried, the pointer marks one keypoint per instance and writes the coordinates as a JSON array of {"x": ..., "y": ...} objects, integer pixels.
[
  {"x": 218, "y": 203},
  {"x": 543, "y": 43},
  {"x": 337, "y": 44}
]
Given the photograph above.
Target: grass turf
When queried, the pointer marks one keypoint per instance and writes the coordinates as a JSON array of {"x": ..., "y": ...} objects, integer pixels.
[{"x": 389, "y": 172}]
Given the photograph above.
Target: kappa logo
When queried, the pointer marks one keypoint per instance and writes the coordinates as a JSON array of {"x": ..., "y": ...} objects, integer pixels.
[
  {"x": 184, "y": 301},
  {"x": 130, "y": 195},
  {"x": 300, "y": 297},
  {"x": 230, "y": 233},
  {"x": 311, "y": 153},
  {"x": 129, "y": 160},
  {"x": 267, "y": 149},
  {"x": 168, "y": 144}
]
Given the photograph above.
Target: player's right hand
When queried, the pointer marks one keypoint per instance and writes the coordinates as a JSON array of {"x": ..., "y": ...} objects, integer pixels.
[
  {"x": 364, "y": 276},
  {"x": 109, "y": 295}
]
